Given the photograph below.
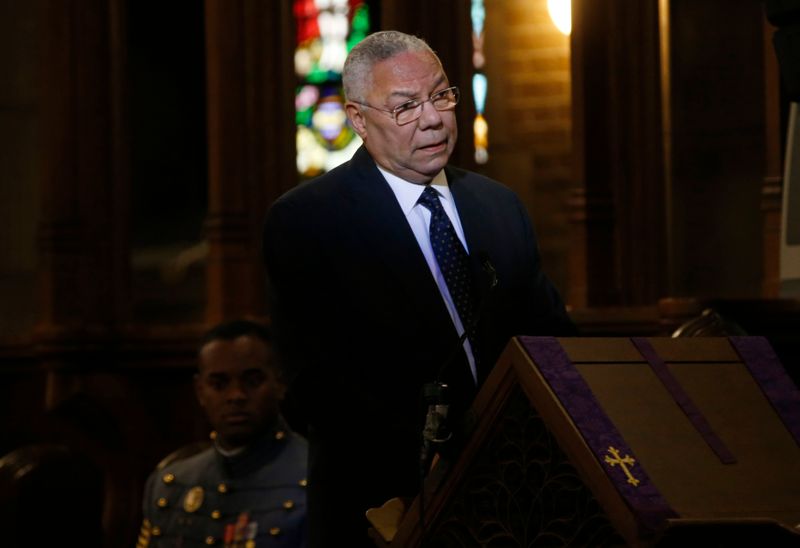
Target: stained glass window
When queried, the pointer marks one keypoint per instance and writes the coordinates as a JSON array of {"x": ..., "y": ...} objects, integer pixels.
[
  {"x": 326, "y": 31},
  {"x": 480, "y": 126}
]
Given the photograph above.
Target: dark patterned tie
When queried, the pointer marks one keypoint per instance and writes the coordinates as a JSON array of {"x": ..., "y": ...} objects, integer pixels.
[{"x": 452, "y": 259}]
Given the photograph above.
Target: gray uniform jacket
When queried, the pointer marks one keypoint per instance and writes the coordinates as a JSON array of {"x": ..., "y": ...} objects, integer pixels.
[{"x": 209, "y": 499}]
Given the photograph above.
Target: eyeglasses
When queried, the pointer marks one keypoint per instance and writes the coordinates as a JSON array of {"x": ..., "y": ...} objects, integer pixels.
[{"x": 411, "y": 110}]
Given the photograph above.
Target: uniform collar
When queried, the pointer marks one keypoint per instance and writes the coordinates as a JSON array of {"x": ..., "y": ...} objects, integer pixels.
[{"x": 252, "y": 457}]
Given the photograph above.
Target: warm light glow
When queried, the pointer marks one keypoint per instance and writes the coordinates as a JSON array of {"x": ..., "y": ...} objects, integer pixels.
[{"x": 561, "y": 14}]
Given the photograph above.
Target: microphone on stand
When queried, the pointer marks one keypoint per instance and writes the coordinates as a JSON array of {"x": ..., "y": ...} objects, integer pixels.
[{"x": 436, "y": 431}]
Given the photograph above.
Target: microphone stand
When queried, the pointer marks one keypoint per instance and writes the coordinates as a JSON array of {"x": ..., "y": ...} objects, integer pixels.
[{"x": 436, "y": 430}]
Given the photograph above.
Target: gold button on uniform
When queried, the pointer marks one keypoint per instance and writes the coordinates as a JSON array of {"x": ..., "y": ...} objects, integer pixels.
[
  {"x": 222, "y": 488},
  {"x": 288, "y": 504},
  {"x": 161, "y": 503},
  {"x": 275, "y": 531},
  {"x": 168, "y": 478},
  {"x": 280, "y": 434},
  {"x": 215, "y": 514},
  {"x": 303, "y": 482},
  {"x": 210, "y": 540},
  {"x": 156, "y": 531},
  {"x": 144, "y": 534}
]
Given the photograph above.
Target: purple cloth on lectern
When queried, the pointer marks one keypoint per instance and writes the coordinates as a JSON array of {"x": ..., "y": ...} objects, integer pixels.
[
  {"x": 599, "y": 433},
  {"x": 759, "y": 357},
  {"x": 679, "y": 395}
]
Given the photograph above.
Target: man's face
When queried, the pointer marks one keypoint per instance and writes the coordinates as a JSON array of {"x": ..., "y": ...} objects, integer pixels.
[
  {"x": 239, "y": 388},
  {"x": 416, "y": 151}
]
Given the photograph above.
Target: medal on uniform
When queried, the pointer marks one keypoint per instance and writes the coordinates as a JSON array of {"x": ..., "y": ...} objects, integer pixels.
[{"x": 193, "y": 499}]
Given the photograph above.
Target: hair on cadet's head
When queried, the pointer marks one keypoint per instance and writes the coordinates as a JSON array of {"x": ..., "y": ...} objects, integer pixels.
[{"x": 233, "y": 329}]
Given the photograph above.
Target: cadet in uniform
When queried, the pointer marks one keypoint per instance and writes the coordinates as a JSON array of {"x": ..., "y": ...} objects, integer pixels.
[{"x": 249, "y": 488}]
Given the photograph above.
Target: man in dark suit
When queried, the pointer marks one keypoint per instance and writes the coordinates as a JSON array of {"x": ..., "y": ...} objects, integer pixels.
[{"x": 368, "y": 308}]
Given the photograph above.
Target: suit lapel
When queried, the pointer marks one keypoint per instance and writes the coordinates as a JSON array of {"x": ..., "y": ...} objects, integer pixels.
[
  {"x": 388, "y": 238},
  {"x": 474, "y": 218}
]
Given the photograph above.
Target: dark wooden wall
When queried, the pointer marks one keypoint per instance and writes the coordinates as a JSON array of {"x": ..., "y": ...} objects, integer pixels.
[{"x": 141, "y": 144}]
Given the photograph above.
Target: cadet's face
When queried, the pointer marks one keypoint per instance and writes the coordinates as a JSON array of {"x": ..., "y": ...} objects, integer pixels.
[
  {"x": 239, "y": 389},
  {"x": 416, "y": 151}
]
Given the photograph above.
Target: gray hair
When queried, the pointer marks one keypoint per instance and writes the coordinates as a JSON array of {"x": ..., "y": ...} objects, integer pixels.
[{"x": 377, "y": 47}]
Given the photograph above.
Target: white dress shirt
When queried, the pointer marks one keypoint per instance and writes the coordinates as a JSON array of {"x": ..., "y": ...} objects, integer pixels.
[{"x": 419, "y": 219}]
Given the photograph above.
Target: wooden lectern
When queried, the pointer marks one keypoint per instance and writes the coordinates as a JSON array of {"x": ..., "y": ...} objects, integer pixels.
[{"x": 617, "y": 441}]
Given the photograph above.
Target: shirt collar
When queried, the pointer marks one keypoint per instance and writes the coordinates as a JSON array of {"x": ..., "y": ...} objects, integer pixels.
[{"x": 408, "y": 193}]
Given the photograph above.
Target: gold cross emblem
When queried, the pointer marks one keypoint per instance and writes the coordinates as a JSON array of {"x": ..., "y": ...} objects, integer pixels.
[{"x": 624, "y": 462}]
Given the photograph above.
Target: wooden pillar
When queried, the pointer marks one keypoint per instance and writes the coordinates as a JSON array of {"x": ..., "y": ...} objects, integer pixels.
[
  {"x": 717, "y": 152},
  {"x": 772, "y": 185},
  {"x": 251, "y": 149},
  {"x": 617, "y": 213},
  {"x": 81, "y": 233}
]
